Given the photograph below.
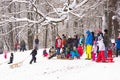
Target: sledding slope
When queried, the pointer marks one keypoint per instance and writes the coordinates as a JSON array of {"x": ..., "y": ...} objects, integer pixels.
[{"x": 54, "y": 69}]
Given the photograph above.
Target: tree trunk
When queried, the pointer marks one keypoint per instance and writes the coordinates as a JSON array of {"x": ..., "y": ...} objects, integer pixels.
[
  {"x": 11, "y": 43},
  {"x": 46, "y": 33},
  {"x": 30, "y": 34},
  {"x": 116, "y": 27},
  {"x": 30, "y": 39},
  {"x": 111, "y": 10}
]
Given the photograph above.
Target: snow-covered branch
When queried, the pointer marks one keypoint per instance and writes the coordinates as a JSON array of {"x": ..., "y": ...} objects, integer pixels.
[
  {"x": 81, "y": 3},
  {"x": 13, "y": 29},
  {"x": 55, "y": 10}
]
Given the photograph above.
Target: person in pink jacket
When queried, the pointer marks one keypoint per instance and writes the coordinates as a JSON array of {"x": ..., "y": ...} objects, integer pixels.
[{"x": 94, "y": 50}]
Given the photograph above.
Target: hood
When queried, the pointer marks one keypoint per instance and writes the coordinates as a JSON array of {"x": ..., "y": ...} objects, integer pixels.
[{"x": 88, "y": 32}]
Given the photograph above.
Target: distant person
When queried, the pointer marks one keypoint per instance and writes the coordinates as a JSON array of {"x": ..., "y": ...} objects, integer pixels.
[
  {"x": 16, "y": 46},
  {"x": 52, "y": 52},
  {"x": 118, "y": 46},
  {"x": 22, "y": 45},
  {"x": 36, "y": 42},
  {"x": 45, "y": 54},
  {"x": 33, "y": 53},
  {"x": 5, "y": 54},
  {"x": 11, "y": 58},
  {"x": 94, "y": 50},
  {"x": 58, "y": 44},
  {"x": 63, "y": 40}
]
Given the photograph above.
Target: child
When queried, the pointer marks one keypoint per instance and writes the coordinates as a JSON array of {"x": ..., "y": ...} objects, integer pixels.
[
  {"x": 5, "y": 54},
  {"x": 80, "y": 50},
  {"x": 52, "y": 52},
  {"x": 68, "y": 55},
  {"x": 94, "y": 50},
  {"x": 11, "y": 58},
  {"x": 74, "y": 53},
  {"x": 101, "y": 45},
  {"x": 63, "y": 53},
  {"x": 45, "y": 54},
  {"x": 33, "y": 53}
]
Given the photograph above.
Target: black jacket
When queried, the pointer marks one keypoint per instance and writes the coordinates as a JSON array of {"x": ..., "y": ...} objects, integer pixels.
[
  {"x": 36, "y": 41},
  {"x": 34, "y": 52}
]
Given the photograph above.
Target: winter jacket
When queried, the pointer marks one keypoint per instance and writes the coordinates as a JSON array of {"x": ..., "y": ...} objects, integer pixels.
[
  {"x": 45, "y": 52},
  {"x": 75, "y": 42},
  {"x": 70, "y": 43},
  {"x": 16, "y": 45},
  {"x": 58, "y": 43},
  {"x": 81, "y": 40},
  {"x": 74, "y": 54},
  {"x": 36, "y": 41},
  {"x": 118, "y": 43},
  {"x": 101, "y": 45},
  {"x": 89, "y": 39},
  {"x": 80, "y": 50},
  {"x": 64, "y": 40},
  {"x": 94, "y": 48},
  {"x": 34, "y": 52},
  {"x": 52, "y": 51},
  {"x": 11, "y": 58}
]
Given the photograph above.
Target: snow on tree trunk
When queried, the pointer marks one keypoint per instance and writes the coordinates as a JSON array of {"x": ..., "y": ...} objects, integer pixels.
[{"x": 111, "y": 23}]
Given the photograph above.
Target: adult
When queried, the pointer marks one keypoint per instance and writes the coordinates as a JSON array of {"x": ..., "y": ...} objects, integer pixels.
[
  {"x": 118, "y": 46},
  {"x": 36, "y": 42},
  {"x": 58, "y": 44},
  {"x": 63, "y": 40},
  {"x": 22, "y": 45},
  {"x": 89, "y": 42},
  {"x": 16, "y": 46}
]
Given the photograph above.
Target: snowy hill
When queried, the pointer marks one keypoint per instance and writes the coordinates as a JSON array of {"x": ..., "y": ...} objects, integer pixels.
[{"x": 55, "y": 69}]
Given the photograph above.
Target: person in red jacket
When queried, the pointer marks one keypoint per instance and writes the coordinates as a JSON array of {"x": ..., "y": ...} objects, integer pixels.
[
  {"x": 58, "y": 44},
  {"x": 16, "y": 46},
  {"x": 80, "y": 50}
]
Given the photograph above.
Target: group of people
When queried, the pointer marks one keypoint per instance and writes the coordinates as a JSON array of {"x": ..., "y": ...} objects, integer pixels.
[
  {"x": 97, "y": 46},
  {"x": 23, "y": 47}
]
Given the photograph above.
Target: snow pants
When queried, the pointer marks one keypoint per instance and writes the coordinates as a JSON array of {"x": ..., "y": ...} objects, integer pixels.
[
  {"x": 93, "y": 56},
  {"x": 101, "y": 56},
  {"x": 88, "y": 51},
  {"x": 33, "y": 59}
]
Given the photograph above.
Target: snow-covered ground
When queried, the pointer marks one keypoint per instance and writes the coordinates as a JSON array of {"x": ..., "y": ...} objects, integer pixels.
[{"x": 55, "y": 69}]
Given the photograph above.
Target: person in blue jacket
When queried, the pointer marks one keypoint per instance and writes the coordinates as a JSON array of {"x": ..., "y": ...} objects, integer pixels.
[
  {"x": 118, "y": 46},
  {"x": 89, "y": 42}
]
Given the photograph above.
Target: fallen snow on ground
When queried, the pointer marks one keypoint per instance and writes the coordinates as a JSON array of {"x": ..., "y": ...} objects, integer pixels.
[{"x": 54, "y": 69}]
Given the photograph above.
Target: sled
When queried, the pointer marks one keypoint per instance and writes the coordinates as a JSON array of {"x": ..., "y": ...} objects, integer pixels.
[{"x": 16, "y": 65}]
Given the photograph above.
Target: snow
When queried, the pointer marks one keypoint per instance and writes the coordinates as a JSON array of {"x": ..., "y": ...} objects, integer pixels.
[
  {"x": 54, "y": 69},
  {"x": 82, "y": 3},
  {"x": 73, "y": 4}
]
